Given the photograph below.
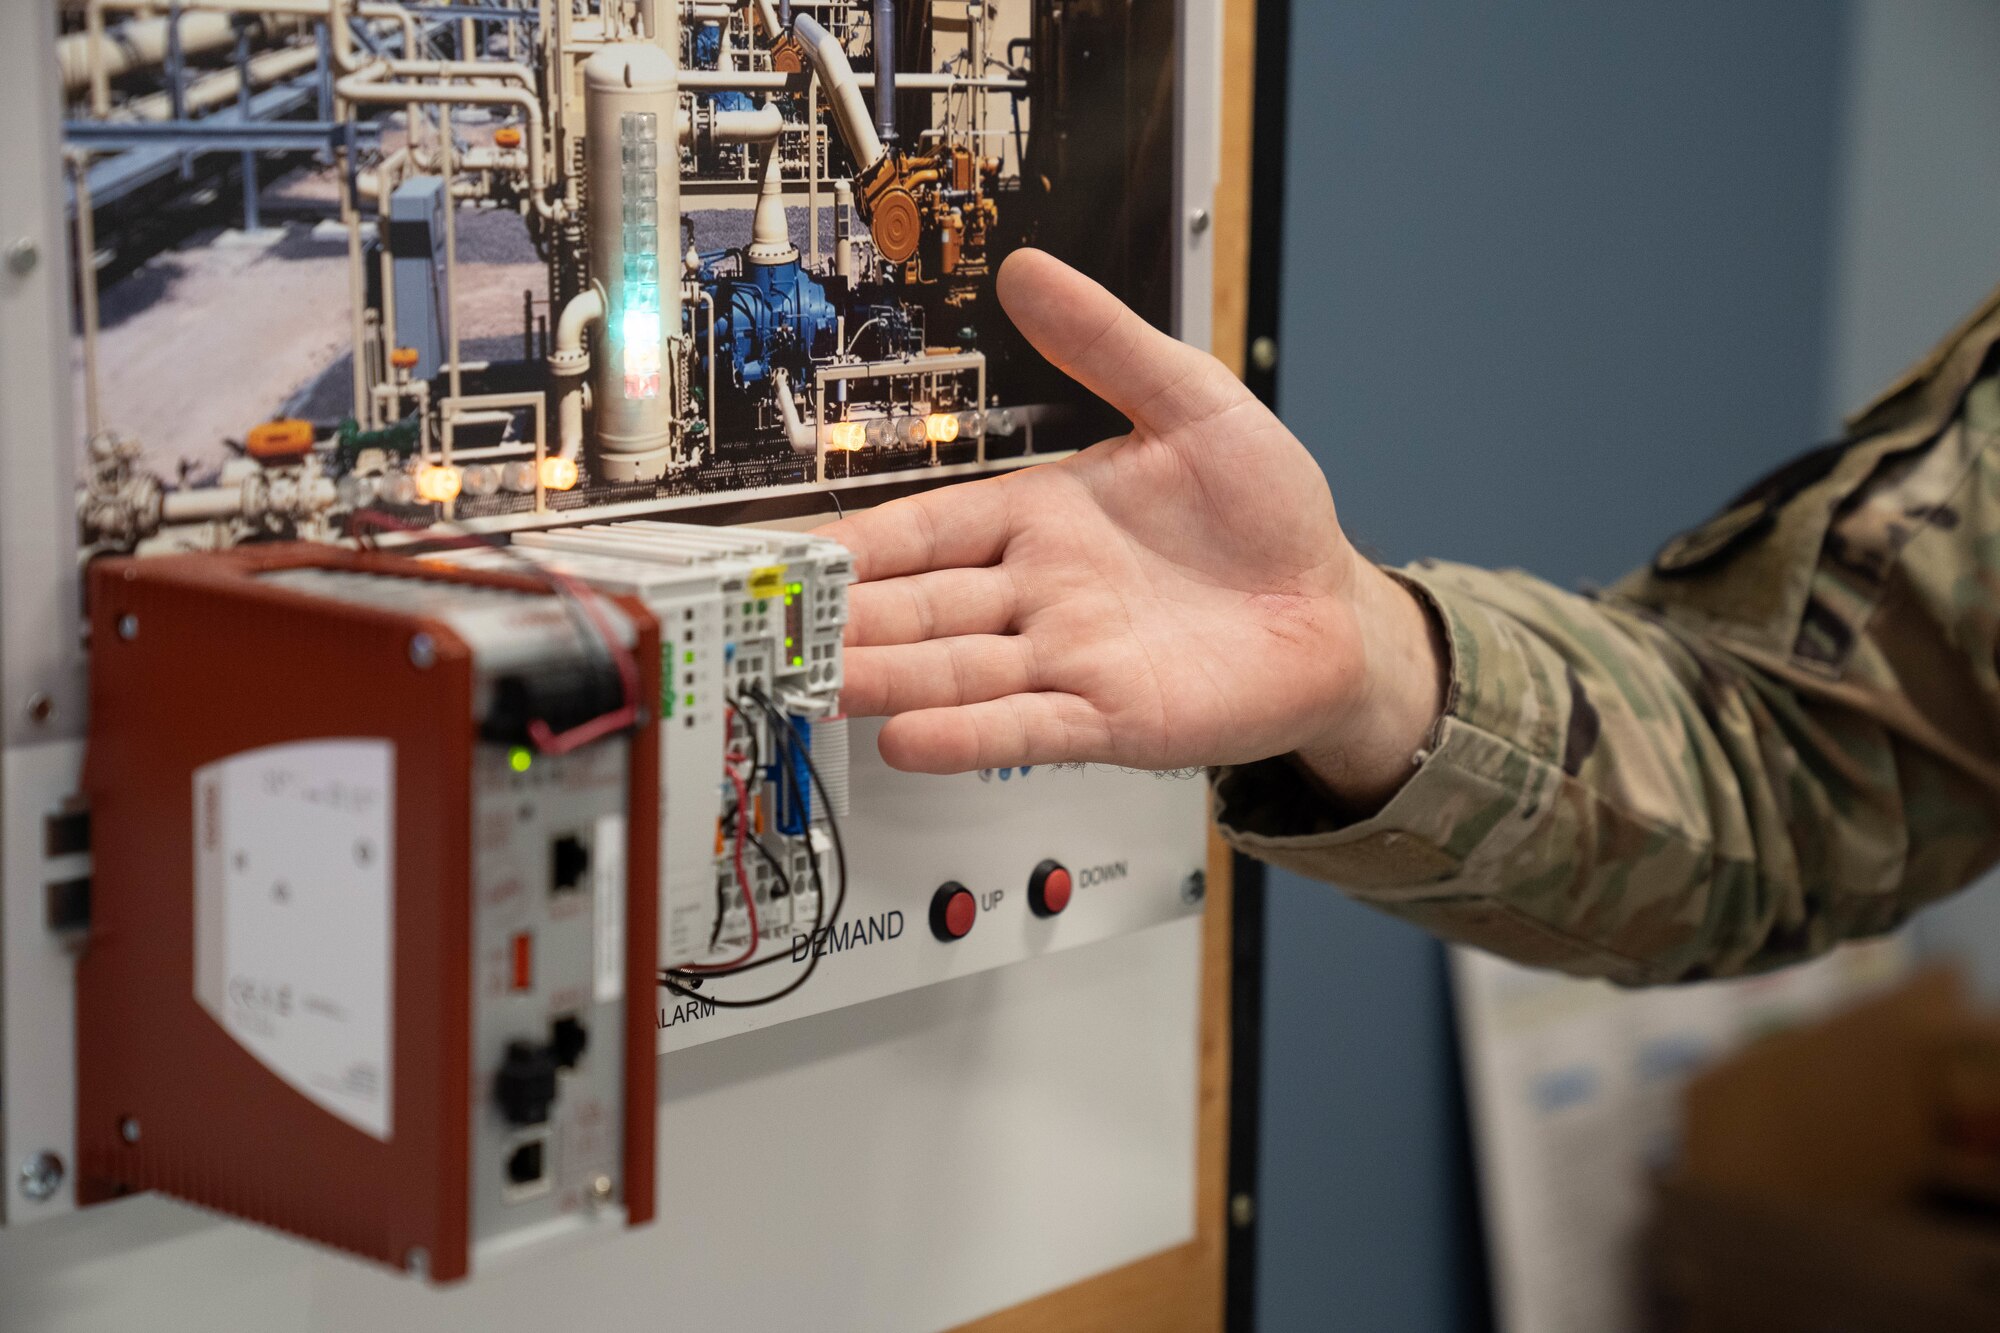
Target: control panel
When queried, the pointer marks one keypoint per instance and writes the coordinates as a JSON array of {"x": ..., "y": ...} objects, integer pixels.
[{"x": 455, "y": 844}]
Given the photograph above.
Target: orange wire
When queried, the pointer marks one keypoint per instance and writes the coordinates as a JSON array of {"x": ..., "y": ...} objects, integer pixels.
[{"x": 742, "y": 882}]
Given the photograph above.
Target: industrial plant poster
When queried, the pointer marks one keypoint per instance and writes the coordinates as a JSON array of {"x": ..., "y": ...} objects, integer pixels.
[{"x": 373, "y": 267}]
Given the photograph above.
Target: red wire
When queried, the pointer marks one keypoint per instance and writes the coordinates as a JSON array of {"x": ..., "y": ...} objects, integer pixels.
[{"x": 742, "y": 877}]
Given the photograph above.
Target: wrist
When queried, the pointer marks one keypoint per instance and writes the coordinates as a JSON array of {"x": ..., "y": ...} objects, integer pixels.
[{"x": 1363, "y": 753}]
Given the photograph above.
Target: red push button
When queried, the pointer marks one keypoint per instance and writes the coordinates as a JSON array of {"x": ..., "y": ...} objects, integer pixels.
[
  {"x": 1049, "y": 888},
  {"x": 953, "y": 910}
]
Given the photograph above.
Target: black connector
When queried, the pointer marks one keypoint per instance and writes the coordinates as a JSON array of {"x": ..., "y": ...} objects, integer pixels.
[
  {"x": 525, "y": 1085},
  {"x": 568, "y": 1039},
  {"x": 66, "y": 833},
  {"x": 559, "y": 697},
  {"x": 66, "y": 904},
  {"x": 569, "y": 862},
  {"x": 527, "y": 1164}
]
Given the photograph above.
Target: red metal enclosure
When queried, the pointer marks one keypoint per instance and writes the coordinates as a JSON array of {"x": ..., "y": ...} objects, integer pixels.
[{"x": 195, "y": 658}]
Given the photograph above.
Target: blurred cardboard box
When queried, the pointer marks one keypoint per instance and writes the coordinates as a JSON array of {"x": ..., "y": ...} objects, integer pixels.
[{"x": 1840, "y": 1178}]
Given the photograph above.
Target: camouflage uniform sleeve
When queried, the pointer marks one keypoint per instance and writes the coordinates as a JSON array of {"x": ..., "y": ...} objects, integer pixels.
[{"x": 1783, "y": 734}]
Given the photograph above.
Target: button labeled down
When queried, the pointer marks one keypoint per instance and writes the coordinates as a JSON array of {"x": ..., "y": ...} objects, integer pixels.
[{"x": 1049, "y": 888}]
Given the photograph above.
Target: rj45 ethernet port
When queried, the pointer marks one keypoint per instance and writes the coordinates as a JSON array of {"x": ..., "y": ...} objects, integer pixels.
[
  {"x": 569, "y": 858},
  {"x": 527, "y": 1167}
]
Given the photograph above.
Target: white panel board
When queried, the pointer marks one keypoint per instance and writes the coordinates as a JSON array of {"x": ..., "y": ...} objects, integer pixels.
[{"x": 892, "y": 1167}]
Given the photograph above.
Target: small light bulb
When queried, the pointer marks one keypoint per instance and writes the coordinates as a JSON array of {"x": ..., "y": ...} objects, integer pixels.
[
  {"x": 558, "y": 473},
  {"x": 437, "y": 483},
  {"x": 355, "y": 491},
  {"x": 941, "y": 427},
  {"x": 914, "y": 430},
  {"x": 481, "y": 479},
  {"x": 846, "y": 435}
]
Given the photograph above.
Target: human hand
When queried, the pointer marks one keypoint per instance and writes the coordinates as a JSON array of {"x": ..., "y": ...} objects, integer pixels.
[{"x": 1181, "y": 595}]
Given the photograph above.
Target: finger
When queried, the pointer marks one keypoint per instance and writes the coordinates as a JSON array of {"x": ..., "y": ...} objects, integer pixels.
[
  {"x": 999, "y": 733},
  {"x": 1091, "y": 336},
  {"x": 940, "y": 605},
  {"x": 939, "y": 674},
  {"x": 946, "y": 528}
]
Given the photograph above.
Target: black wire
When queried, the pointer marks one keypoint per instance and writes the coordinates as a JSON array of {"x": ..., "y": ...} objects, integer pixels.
[
  {"x": 812, "y": 865},
  {"x": 672, "y": 980},
  {"x": 722, "y": 908},
  {"x": 784, "y": 879},
  {"x": 721, "y": 892},
  {"x": 756, "y": 747},
  {"x": 728, "y": 821},
  {"x": 819, "y": 896},
  {"x": 835, "y": 497},
  {"x": 818, "y": 908},
  {"x": 779, "y": 742}
]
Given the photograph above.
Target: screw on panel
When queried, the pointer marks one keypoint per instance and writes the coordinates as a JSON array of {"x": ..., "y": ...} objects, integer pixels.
[
  {"x": 1195, "y": 887},
  {"x": 40, "y": 707},
  {"x": 423, "y": 652},
  {"x": 128, "y": 626},
  {"x": 1198, "y": 221},
  {"x": 23, "y": 255},
  {"x": 1242, "y": 1210},
  {"x": 601, "y": 1187},
  {"x": 1264, "y": 352},
  {"x": 41, "y": 1177},
  {"x": 128, "y": 1129}
]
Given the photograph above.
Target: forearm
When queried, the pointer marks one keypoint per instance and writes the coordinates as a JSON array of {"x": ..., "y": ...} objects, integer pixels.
[{"x": 1611, "y": 795}]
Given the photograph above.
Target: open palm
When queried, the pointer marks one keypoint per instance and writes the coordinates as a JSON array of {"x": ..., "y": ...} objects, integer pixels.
[{"x": 1179, "y": 595}]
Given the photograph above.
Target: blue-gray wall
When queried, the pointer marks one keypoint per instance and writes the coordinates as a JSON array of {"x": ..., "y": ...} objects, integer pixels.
[{"x": 1556, "y": 281}]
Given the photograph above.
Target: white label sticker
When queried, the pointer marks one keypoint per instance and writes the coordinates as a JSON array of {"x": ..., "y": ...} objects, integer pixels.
[
  {"x": 608, "y": 859},
  {"x": 294, "y": 905}
]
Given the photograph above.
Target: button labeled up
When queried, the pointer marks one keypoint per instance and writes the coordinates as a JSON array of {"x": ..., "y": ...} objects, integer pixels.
[{"x": 953, "y": 910}]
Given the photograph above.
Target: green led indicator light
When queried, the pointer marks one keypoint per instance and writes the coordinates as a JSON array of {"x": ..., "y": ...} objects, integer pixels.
[
  {"x": 798, "y": 661},
  {"x": 519, "y": 758},
  {"x": 689, "y": 659},
  {"x": 689, "y": 701},
  {"x": 747, "y": 608},
  {"x": 795, "y": 588}
]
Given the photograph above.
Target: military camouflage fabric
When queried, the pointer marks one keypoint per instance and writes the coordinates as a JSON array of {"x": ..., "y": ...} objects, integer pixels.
[{"x": 1784, "y": 734}]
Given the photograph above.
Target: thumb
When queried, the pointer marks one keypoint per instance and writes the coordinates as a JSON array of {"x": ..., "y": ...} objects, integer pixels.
[{"x": 1094, "y": 338}]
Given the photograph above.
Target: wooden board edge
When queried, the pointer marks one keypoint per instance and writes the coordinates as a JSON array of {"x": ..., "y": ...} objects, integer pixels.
[{"x": 1180, "y": 1290}]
